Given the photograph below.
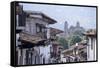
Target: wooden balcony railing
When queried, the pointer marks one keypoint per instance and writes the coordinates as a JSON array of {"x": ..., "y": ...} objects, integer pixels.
[{"x": 42, "y": 35}]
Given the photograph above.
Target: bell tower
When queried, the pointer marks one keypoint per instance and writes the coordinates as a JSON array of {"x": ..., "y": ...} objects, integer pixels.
[
  {"x": 66, "y": 29},
  {"x": 77, "y": 24}
]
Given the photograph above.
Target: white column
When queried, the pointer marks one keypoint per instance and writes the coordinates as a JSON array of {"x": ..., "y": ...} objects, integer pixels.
[
  {"x": 95, "y": 46},
  {"x": 89, "y": 51},
  {"x": 76, "y": 48},
  {"x": 24, "y": 55},
  {"x": 48, "y": 33}
]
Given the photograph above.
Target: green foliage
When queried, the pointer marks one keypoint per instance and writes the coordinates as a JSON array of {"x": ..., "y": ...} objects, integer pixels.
[
  {"x": 78, "y": 33},
  {"x": 63, "y": 42},
  {"x": 75, "y": 39}
]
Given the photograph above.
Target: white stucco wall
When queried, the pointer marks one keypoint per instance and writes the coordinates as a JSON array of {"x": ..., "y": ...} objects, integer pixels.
[
  {"x": 91, "y": 53},
  {"x": 95, "y": 50},
  {"x": 62, "y": 58},
  {"x": 31, "y": 25},
  {"x": 45, "y": 50}
]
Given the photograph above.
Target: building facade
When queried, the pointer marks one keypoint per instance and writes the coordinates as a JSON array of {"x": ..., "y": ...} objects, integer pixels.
[
  {"x": 75, "y": 53},
  {"x": 32, "y": 46},
  {"x": 92, "y": 45},
  {"x": 56, "y": 48}
]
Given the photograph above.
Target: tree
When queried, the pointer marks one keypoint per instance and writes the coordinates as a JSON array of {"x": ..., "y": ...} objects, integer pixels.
[
  {"x": 75, "y": 39},
  {"x": 78, "y": 32},
  {"x": 63, "y": 42}
]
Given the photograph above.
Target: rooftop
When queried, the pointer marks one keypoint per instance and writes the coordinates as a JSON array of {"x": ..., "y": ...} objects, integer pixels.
[
  {"x": 91, "y": 32},
  {"x": 80, "y": 46},
  {"x": 30, "y": 38},
  {"x": 40, "y": 15},
  {"x": 55, "y": 31}
]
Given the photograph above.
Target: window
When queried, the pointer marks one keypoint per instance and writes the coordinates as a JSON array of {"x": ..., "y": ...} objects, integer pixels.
[
  {"x": 28, "y": 27},
  {"x": 43, "y": 29},
  {"x": 40, "y": 28},
  {"x": 21, "y": 19}
]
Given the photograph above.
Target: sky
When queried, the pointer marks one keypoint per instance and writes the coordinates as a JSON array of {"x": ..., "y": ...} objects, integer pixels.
[{"x": 86, "y": 16}]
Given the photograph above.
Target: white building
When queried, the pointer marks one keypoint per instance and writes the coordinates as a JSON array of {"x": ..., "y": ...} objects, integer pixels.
[
  {"x": 33, "y": 48},
  {"x": 92, "y": 45}
]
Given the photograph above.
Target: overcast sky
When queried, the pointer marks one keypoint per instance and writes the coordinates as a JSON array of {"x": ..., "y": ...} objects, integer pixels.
[{"x": 85, "y": 15}]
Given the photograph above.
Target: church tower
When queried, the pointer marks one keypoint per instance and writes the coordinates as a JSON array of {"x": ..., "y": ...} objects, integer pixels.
[
  {"x": 77, "y": 24},
  {"x": 66, "y": 29}
]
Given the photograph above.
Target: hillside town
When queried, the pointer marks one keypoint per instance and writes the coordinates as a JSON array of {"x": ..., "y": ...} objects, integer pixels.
[{"x": 38, "y": 43}]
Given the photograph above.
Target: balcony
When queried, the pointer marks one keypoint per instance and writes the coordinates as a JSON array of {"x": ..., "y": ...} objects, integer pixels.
[
  {"x": 30, "y": 38},
  {"x": 42, "y": 35},
  {"x": 53, "y": 38}
]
